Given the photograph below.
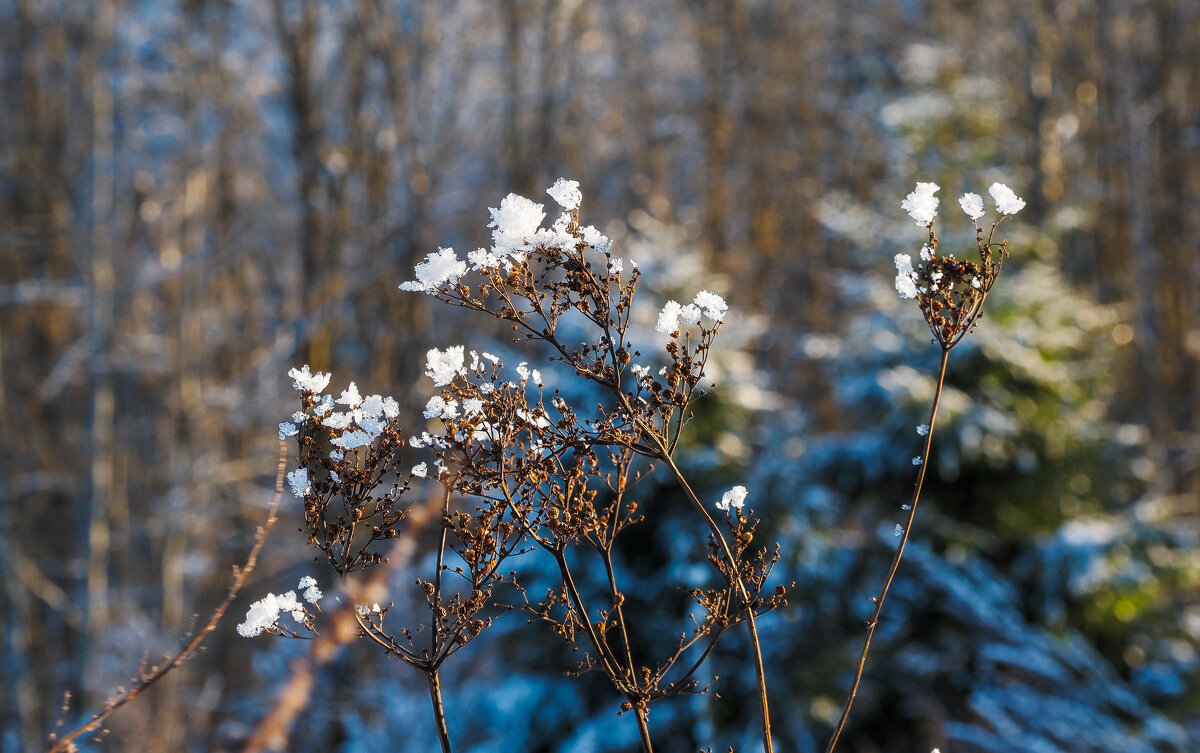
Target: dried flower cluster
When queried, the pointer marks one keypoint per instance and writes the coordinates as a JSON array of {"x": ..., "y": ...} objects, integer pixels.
[
  {"x": 521, "y": 469},
  {"x": 951, "y": 291}
]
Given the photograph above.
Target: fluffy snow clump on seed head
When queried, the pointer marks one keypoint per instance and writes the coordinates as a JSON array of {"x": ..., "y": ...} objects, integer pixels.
[
  {"x": 921, "y": 204},
  {"x": 735, "y": 497},
  {"x": 972, "y": 204},
  {"x": 905, "y": 285},
  {"x": 305, "y": 381},
  {"x": 439, "y": 268},
  {"x": 668, "y": 318},
  {"x": 714, "y": 305},
  {"x": 566, "y": 192},
  {"x": 1007, "y": 202},
  {"x": 517, "y": 219},
  {"x": 443, "y": 365}
]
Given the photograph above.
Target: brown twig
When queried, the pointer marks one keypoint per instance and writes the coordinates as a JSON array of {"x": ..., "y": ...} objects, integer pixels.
[
  {"x": 67, "y": 743},
  {"x": 887, "y": 583}
]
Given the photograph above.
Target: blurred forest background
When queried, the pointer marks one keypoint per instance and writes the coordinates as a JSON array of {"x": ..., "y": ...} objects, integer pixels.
[{"x": 197, "y": 195}]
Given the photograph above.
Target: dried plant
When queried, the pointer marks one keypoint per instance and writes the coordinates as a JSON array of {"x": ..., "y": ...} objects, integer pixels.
[
  {"x": 950, "y": 293},
  {"x": 520, "y": 469}
]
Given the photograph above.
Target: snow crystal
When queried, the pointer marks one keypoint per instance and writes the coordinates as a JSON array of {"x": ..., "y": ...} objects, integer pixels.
[
  {"x": 353, "y": 439},
  {"x": 298, "y": 480},
  {"x": 972, "y": 204},
  {"x": 905, "y": 285},
  {"x": 438, "y": 407},
  {"x": 735, "y": 497},
  {"x": 287, "y": 430},
  {"x": 441, "y": 267},
  {"x": 443, "y": 365},
  {"x": 350, "y": 397},
  {"x": 515, "y": 220},
  {"x": 921, "y": 204},
  {"x": 305, "y": 381},
  {"x": 483, "y": 259},
  {"x": 598, "y": 241},
  {"x": 714, "y": 305},
  {"x": 668, "y": 318},
  {"x": 420, "y": 470},
  {"x": 1007, "y": 202},
  {"x": 566, "y": 192}
]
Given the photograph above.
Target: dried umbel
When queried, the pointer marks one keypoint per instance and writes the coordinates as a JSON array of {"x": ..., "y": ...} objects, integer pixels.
[{"x": 951, "y": 291}]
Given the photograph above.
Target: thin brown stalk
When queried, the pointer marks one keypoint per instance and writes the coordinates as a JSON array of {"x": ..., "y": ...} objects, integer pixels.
[
  {"x": 643, "y": 722},
  {"x": 887, "y": 583},
  {"x": 189, "y": 649},
  {"x": 751, "y": 623},
  {"x": 439, "y": 713}
]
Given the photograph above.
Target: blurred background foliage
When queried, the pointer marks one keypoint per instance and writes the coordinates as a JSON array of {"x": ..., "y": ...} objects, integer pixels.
[{"x": 196, "y": 195}]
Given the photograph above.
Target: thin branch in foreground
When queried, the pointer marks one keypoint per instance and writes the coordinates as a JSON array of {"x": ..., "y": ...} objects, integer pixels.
[{"x": 146, "y": 680}]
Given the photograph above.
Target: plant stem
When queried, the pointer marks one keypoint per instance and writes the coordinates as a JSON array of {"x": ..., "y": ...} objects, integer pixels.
[
  {"x": 643, "y": 727},
  {"x": 439, "y": 714},
  {"x": 887, "y": 583},
  {"x": 751, "y": 624}
]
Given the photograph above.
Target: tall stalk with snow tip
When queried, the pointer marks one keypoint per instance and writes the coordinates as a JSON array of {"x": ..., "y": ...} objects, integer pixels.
[{"x": 950, "y": 293}]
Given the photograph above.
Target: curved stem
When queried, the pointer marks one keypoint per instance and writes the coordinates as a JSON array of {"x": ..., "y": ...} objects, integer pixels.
[
  {"x": 751, "y": 623},
  {"x": 887, "y": 583}
]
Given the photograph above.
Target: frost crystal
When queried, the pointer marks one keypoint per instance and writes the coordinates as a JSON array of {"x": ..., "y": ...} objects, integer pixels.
[
  {"x": 1007, "y": 202},
  {"x": 443, "y": 365},
  {"x": 298, "y": 480},
  {"x": 714, "y": 305},
  {"x": 437, "y": 407},
  {"x": 264, "y": 613},
  {"x": 616, "y": 266},
  {"x": 921, "y": 204},
  {"x": 305, "y": 381},
  {"x": 598, "y": 241},
  {"x": 441, "y": 267},
  {"x": 483, "y": 259},
  {"x": 923, "y": 429},
  {"x": 566, "y": 192},
  {"x": 353, "y": 439},
  {"x": 308, "y": 585},
  {"x": 350, "y": 397},
  {"x": 972, "y": 204},
  {"x": 735, "y": 497},
  {"x": 690, "y": 313},
  {"x": 287, "y": 430},
  {"x": 668, "y": 318},
  {"x": 905, "y": 285},
  {"x": 515, "y": 220},
  {"x": 917, "y": 460},
  {"x": 420, "y": 470},
  {"x": 899, "y": 529}
]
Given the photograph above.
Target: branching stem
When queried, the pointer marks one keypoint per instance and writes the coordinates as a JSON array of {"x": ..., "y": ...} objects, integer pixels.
[{"x": 751, "y": 624}]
